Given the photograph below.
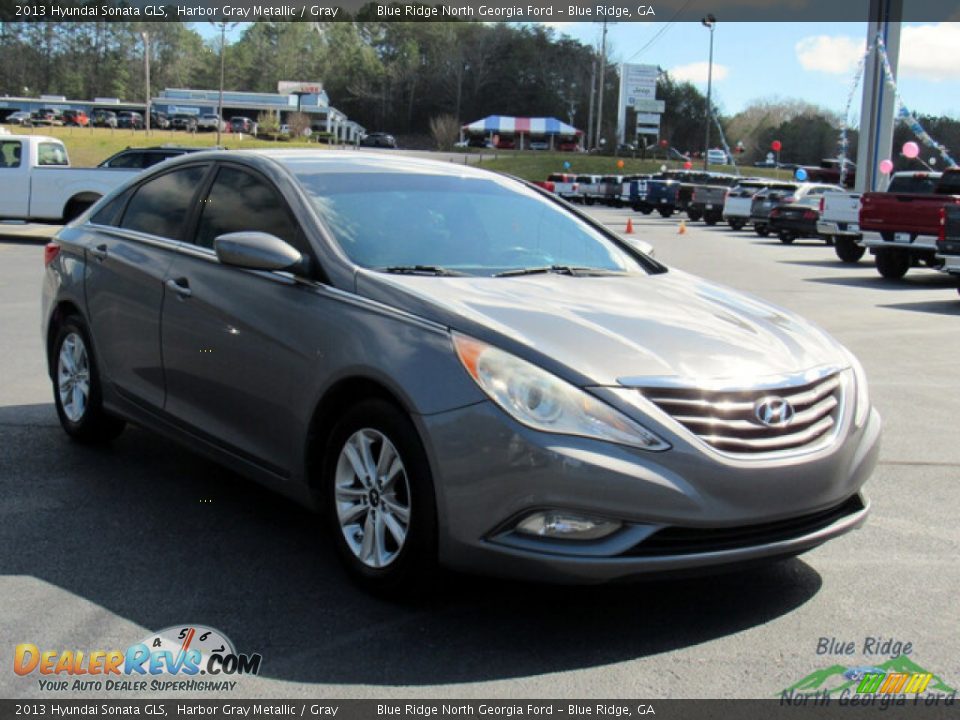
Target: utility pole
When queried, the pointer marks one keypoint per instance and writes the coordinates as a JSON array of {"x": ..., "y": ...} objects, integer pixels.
[
  {"x": 146, "y": 71},
  {"x": 593, "y": 85},
  {"x": 710, "y": 23},
  {"x": 603, "y": 76},
  {"x": 223, "y": 53}
]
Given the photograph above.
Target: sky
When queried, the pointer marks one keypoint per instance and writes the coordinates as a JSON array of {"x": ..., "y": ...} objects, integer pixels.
[{"x": 809, "y": 61}]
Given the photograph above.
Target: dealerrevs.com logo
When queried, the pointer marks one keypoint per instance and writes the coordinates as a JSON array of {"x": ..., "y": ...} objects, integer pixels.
[{"x": 187, "y": 658}]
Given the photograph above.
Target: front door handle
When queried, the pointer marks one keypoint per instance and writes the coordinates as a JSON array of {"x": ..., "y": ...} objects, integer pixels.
[
  {"x": 99, "y": 252},
  {"x": 181, "y": 286}
]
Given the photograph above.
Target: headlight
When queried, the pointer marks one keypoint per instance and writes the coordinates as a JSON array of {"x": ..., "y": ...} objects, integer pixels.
[
  {"x": 544, "y": 402},
  {"x": 862, "y": 408}
]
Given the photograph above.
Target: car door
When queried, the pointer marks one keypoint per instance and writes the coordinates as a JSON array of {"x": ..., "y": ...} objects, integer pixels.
[
  {"x": 134, "y": 241},
  {"x": 14, "y": 180},
  {"x": 232, "y": 338}
]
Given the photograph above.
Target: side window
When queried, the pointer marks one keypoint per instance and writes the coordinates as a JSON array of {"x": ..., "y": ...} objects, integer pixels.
[
  {"x": 240, "y": 201},
  {"x": 160, "y": 206},
  {"x": 128, "y": 160},
  {"x": 10, "y": 154},
  {"x": 152, "y": 158},
  {"x": 51, "y": 154},
  {"x": 110, "y": 213}
]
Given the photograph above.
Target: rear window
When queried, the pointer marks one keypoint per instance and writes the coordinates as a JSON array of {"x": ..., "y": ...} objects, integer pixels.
[
  {"x": 920, "y": 185},
  {"x": 949, "y": 184},
  {"x": 50, "y": 154}
]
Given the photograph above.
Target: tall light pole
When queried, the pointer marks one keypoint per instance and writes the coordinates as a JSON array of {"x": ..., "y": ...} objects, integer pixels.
[
  {"x": 603, "y": 77},
  {"x": 223, "y": 45},
  {"x": 146, "y": 71},
  {"x": 710, "y": 23}
]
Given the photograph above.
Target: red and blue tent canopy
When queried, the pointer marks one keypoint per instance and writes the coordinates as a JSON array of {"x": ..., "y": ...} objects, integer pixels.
[{"x": 506, "y": 125}]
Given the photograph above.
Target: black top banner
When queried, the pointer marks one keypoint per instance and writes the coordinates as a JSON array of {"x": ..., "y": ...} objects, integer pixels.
[{"x": 479, "y": 10}]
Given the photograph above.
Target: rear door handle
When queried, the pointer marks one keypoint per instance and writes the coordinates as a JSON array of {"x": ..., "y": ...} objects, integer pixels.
[
  {"x": 99, "y": 252},
  {"x": 181, "y": 286}
]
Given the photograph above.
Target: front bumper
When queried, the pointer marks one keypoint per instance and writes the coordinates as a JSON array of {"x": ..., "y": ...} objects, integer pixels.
[{"x": 490, "y": 471}]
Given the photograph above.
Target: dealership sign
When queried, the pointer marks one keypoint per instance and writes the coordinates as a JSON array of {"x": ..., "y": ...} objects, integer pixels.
[
  {"x": 294, "y": 87},
  {"x": 638, "y": 89}
]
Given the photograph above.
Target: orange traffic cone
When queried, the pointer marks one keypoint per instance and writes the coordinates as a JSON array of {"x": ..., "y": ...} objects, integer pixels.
[
  {"x": 683, "y": 228},
  {"x": 629, "y": 227}
]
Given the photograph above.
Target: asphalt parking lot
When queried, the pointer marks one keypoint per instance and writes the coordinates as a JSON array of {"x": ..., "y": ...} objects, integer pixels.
[{"x": 103, "y": 546}]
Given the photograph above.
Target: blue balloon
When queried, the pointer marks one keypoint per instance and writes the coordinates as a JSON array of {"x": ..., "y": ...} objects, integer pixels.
[
  {"x": 566, "y": 164},
  {"x": 801, "y": 174}
]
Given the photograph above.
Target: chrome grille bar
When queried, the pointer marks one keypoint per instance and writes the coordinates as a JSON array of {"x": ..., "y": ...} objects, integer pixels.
[{"x": 728, "y": 419}]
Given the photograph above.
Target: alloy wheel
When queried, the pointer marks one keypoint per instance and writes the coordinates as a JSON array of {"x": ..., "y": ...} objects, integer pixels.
[
  {"x": 73, "y": 377},
  {"x": 372, "y": 498}
]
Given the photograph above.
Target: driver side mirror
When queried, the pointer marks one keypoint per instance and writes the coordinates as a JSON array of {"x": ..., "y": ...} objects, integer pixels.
[{"x": 259, "y": 251}]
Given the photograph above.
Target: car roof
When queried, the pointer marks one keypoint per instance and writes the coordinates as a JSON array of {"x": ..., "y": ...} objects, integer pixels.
[{"x": 344, "y": 161}]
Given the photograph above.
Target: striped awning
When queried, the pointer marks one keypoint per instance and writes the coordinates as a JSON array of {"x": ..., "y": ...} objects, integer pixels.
[{"x": 506, "y": 125}]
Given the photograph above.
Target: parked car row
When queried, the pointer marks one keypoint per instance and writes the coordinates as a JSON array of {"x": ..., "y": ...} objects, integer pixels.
[
  {"x": 131, "y": 120},
  {"x": 906, "y": 225}
]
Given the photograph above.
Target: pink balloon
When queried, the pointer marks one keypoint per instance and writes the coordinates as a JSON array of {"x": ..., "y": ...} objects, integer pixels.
[
  {"x": 911, "y": 149},
  {"x": 886, "y": 166}
]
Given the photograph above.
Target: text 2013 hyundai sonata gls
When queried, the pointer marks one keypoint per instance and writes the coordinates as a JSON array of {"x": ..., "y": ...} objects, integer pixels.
[{"x": 458, "y": 368}]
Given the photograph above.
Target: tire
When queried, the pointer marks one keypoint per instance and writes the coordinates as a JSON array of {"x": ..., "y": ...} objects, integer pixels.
[
  {"x": 736, "y": 224},
  {"x": 646, "y": 210},
  {"x": 847, "y": 250},
  {"x": 761, "y": 229},
  {"x": 786, "y": 237},
  {"x": 588, "y": 200},
  {"x": 665, "y": 212},
  {"x": 74, "y": 368},
  {"x": 694, "y": 215},
  {"x": 710, "y": 220},
  {"x": 393, "y": 566},
  {"x": 892, "y": 264}
]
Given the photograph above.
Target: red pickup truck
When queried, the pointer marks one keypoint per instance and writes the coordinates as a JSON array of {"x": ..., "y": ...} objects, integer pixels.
[{"x": 908, "y": 223}]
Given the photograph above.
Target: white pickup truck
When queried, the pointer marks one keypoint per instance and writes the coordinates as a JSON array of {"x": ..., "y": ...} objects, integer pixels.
[
  {"x": 839, "y": 223},
  {"x": 37, "y": 182}
]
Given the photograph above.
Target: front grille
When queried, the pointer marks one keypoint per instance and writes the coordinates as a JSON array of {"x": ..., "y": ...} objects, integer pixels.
[
  {"x": 690, "y": 541},
  {"x": 729, "y": 420}
]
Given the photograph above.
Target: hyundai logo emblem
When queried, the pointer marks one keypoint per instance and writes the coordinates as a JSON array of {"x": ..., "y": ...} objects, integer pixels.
[{"x": 774, "y": 411}]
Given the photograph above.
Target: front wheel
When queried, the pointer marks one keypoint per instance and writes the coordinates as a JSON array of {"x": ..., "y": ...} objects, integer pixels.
[
  {"x": 646, "y": 210},
  {"x": 761, "y": 229},
  {"x": 848, "y": 250},
  {"x": 379, "y": 493},
  {"x": 694, "y": 215},
  {"x": 892, "y": 264},
  {"x": 665, "y": 212},
  {"x": 736, "y": 224},
  {"x": 76, "y": 387}
]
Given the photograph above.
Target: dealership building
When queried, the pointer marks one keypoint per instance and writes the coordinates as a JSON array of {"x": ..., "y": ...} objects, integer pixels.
[{"x": 308, "y": 98}]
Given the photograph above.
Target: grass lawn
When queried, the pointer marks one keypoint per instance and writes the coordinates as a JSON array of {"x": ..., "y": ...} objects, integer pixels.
[{"x": 89, "y": 147}]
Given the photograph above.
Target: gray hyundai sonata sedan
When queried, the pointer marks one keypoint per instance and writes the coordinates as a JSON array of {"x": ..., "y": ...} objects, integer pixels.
[{"x": 457, "y": 368}]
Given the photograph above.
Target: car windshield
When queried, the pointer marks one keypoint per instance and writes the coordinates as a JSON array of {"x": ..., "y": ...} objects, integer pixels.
[{"x": 447, "y": 224}]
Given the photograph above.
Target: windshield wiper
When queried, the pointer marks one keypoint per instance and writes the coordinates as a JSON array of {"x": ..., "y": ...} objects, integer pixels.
[
  {"x": 558, "y": 270},
  {"x": 420, "y": 270}
]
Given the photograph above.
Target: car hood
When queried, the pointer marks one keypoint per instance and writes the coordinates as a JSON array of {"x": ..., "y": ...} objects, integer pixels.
[{"x": 605, "y": 330}]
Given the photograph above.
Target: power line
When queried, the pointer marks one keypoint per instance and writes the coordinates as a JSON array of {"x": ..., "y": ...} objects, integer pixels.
[{"x": 662, "y": 30}]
